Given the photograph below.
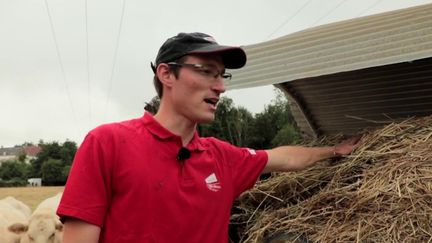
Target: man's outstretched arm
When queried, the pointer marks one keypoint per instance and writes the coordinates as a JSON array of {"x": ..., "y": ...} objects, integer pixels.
[{"x": 294, "y": 158}]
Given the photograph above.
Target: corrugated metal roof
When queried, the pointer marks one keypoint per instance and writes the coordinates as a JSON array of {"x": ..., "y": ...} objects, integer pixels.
[
  {"x": 377, "y": 40},
  {"x": 351, "y": 101}
]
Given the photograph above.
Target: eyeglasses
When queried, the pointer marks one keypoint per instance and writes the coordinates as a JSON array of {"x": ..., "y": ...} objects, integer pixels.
[{"x": 204, "y": 70}]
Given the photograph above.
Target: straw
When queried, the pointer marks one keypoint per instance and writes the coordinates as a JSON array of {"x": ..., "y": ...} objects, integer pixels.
[{"x": 382, "y": 192}]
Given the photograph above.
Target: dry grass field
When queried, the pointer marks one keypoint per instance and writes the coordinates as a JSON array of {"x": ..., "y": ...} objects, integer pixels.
[{"x": 31, "y": 196}]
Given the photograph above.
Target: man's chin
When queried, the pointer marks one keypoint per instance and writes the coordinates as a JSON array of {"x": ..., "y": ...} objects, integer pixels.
[{"x": 207, "y": 119}]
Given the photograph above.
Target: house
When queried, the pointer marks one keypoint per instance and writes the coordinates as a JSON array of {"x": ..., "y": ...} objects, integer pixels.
[
  {"x": 31, "y": 152},
  {"x": 9, "y": 153},
  {"x": 12, "y": 153},
  {"x": 347, "y": 76}
]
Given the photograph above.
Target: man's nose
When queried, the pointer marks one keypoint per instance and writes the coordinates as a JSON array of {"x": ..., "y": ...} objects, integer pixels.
[{"x": 219, "y": 85}]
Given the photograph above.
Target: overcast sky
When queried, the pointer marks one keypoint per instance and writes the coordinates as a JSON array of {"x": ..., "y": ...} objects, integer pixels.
[{"x": 52, "y": 88}]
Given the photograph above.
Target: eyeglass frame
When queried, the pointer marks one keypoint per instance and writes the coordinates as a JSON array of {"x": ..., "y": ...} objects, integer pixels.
[{"x": 202, "y": 70}]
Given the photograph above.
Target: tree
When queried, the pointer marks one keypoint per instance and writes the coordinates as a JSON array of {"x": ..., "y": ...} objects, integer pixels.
[
  {"x": 49, "y": 150},
  {"x": 13, "y": 169},
  {"x": 274, "y": 117},
  {"x": 242, "y": 124},
  {"x": 67, "y": 152},
  {"x": 289, "y": 134},
  {"x": 63, "y": 152},
  {"x": 51, "y": 171},
  {"x": 22, "y": 157},
  {"x": 153, "y": 105},
  {"x": 65, "y": 173}
]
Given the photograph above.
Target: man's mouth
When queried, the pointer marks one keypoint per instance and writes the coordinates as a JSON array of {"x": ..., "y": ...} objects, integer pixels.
[{"x": 211, "y": 101}]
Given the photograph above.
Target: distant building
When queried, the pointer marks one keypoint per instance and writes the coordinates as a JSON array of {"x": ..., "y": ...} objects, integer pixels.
[
  {"x": 31, "y": 152},
  {"x": 12, "y": 153}
]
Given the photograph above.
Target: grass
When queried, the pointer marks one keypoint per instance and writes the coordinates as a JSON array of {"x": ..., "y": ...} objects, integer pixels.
[{"x": 31, "y": 196}]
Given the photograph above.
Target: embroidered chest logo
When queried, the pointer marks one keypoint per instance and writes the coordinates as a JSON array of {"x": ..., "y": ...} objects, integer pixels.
[{"x": 212, "y": 183}]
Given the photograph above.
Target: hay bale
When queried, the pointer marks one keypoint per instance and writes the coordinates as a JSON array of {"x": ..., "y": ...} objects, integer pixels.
[{"x": 380, "y": 193}]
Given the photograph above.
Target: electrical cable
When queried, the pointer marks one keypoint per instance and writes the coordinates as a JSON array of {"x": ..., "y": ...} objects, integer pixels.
[
  {"x": 328, "y": 13},
  {"x": 288, "y": 19},
  {"x": 115, "y": 58},
  {"x": 88, "y": 62},
  {"x": 369, "y": 8},
  {"x": 60, "y": 61}
]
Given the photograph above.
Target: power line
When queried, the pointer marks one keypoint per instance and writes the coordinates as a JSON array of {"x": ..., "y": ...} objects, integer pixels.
[
  {"x": 60, "y": 60},
  {"x": 289, "y": 19},
  {"x": 369, "y": 8},
  {"x": 115, "y": 58},
  {"x": 328, "y": 13},
  {"x": 88, "y": 62}
]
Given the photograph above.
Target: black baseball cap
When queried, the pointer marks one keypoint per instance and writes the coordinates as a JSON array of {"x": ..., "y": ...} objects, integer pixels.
[{"x": 183, "y": 44}]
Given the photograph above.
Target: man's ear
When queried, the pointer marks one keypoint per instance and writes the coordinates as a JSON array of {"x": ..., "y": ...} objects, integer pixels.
[{"x": 164, "y": 74}]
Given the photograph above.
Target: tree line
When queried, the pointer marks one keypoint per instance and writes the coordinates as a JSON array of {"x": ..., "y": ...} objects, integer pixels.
[
  {"x": 272, "y": 127},
  {"x": 52, "y": 164}
]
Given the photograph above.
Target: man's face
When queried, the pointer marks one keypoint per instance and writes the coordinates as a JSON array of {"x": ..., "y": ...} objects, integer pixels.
[{"x": 197, "y": 90}]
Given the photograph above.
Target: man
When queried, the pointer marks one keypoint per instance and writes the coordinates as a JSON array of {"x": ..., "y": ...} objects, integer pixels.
[{"x": 153, "y": 179}]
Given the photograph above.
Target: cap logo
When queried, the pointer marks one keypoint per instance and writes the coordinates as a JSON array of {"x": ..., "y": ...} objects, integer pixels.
[{"x": 209, "y": 38}]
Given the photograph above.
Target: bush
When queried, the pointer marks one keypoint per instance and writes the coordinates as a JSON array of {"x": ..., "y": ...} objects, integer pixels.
[
  {"x": 13, "y": 169},
  {"x": 14, "y": 182},
  {"x": 287, "y": 135},
  {"x": 51, "y": 171}
]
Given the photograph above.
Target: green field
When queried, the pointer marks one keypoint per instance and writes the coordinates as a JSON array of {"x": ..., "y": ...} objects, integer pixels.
[{"x": 31, "y": 196}]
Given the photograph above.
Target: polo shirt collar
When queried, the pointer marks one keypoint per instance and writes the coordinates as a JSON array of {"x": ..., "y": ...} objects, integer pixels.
[
  {"x": 196, "y": 143},
  {"x": 155, "y": 128}
]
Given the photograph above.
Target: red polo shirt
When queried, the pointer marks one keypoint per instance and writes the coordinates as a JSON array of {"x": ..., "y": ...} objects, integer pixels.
[{"x": 126, "y": 179}]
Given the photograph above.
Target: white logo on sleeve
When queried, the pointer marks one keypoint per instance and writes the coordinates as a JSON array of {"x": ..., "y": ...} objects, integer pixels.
[
  {"x": 251, "y": 151},
  {"x": 212, "y": 183}
]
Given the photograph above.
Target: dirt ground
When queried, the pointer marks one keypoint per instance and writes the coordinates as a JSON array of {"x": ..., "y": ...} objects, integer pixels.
[{"x": 31, "y": 196}]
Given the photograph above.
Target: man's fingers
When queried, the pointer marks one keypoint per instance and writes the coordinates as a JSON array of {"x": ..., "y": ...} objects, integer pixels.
[{"x": 354, "y": 140}]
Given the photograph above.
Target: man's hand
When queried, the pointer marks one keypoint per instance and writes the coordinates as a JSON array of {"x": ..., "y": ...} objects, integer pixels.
[{"x": 347, "y": 146}]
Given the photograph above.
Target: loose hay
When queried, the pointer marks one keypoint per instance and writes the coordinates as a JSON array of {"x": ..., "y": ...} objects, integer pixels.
[{"x": 382, "y": 192}]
